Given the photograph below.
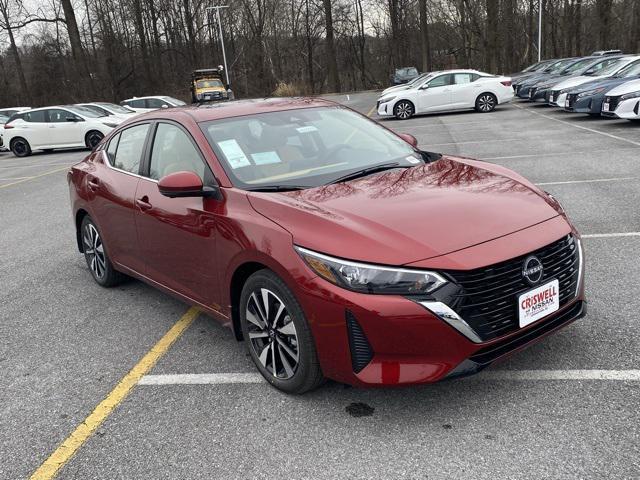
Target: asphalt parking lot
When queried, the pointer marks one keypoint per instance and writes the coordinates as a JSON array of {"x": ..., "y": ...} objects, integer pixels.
[{"x": 564, "y": 408}]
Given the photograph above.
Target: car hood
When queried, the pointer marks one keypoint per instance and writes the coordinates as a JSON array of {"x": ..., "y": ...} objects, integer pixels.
[
  {"x": 405, "y": 215},
  {"x": 608, "y": 82},
  {"x": 574, "y": 82},
  {"x": 397, "y": 88},
  {"x": 626, "y": 87}
]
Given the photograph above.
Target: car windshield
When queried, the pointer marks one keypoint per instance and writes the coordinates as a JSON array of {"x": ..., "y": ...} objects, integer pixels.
[
  {"x": 303, "y": 147},
  {"x": 611, "y": 69},
  {"x": 215, "y": 83},
  {"x": 557, "y": 66},
  {"x": 631, "y": 70},
  {"x": 112, "y": 107},
  {"x": 85, "y": 112},
  {"x": 407, "y": 71},
  {"x": 174, "y": 101},
  {"x": 579, "y": 65}
]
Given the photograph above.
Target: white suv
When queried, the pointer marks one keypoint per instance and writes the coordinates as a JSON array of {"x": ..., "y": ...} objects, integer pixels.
[{"x": 55, "y": 127}]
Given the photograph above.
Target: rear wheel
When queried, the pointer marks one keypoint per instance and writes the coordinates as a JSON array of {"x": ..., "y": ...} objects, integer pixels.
[
  {"x": 96, "y": 256},
  {"x": 20, "y": 147},
  {"x": 404, "y": 109},
  {"x": 277, "y": 334},
  {"x": 486, "y": 102},
  {"x": 93, "y": 138}
]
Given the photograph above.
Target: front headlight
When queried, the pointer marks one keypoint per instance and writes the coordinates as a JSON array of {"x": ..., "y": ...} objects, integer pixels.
[
  {"x": 387, "y": 99},
  {"x": 589, "y": 93},
  {"x": 365, "y": 278},
  {"x": 628, "y": 96}
]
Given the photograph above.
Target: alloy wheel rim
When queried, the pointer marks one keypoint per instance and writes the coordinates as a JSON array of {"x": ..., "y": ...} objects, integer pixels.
[
  {"x": 94, "y": 139},
  {"x": 272, "y": 334},
  {"x": 94, "y": 250},
  {"x": 486, "y": 103},
  {"x": 404, "y": 110},
  {"x": 19, "y": 147}
]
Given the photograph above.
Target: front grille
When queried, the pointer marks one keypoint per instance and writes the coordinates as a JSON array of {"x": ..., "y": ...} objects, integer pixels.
[
  {"x": 613, "y": 102},
  {"x": 488, "y": 301},
  {"x": 571, "y": 99},
  {"x": 361, "y": 352}
]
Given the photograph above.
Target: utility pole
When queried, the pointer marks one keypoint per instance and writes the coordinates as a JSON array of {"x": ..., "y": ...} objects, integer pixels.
[
  {"x": 224, "y": 53},
  {"x": 539, "y": 30}
]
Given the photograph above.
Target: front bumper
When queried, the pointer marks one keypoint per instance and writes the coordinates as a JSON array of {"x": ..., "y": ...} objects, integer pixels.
[
  {"x": 384, "y": 109},
  {"x": 557, "y": 99},
  {"x": 628, "y": 109},
  {"x": 589, "y": 104},
  {"x": 383, "y": 340},
  {"x": 536, "y": 94}
]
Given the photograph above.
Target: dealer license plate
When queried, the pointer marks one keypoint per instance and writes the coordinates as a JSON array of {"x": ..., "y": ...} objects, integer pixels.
[
  {"x": 566, "y": 103},
  {"x": 539, "y": 302},
  {"x": 605, "y": 107}
]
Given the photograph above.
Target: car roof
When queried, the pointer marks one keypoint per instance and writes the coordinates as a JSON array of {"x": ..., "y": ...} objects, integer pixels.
[
  {"x": 148, "y": 96},
  {"x": 237, "y": 108}
]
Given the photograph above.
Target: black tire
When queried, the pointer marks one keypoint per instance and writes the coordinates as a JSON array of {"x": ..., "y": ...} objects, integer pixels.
[
  {"x": 93, "y": 138},
  {"x": 96, "y": 256},
  {"x": 272, "y": 344},
  {"x": 486, "y": 102},
  {"x": 20, "y": 147},
  {"x": 403, "y": 110}
]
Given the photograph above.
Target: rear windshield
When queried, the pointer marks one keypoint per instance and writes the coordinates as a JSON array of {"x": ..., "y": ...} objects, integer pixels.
[{"x": 174, "y": 101}]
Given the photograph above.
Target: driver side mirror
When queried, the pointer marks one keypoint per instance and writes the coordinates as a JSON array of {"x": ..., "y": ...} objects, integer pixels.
[
  {"x": 424, "y": 87},
  {"x": 164, "y": 105},
  {"x": 410, "y": 139},
  {"x": 73, "y": 119},
  {"x": 185, "y": 184}
]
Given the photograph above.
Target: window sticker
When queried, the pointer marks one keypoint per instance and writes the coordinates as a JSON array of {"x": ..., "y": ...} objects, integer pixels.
[
  {"x": 233, "y": 152},
  {"x": 307, "y": 129},
  {"x": 412, "y": 159},
  {"x": 265, "y": 158}
]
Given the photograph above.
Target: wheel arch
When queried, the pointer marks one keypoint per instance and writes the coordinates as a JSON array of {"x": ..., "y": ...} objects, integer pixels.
[
  {"x": 79, "y": 217},
  {"x": 236, "y": 283}
]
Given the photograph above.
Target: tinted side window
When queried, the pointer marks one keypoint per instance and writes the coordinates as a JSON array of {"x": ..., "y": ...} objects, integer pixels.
[
  {"x": 156, "y": 103},
  {"x": 129, "y": 149},
  {"x": 138, "y": 103},
  {"x": 37, "y": 116},
  {"x": 60, "y": 116},
  {"x": 440, "y": 81},
  {"x": 173, "y": 152}
]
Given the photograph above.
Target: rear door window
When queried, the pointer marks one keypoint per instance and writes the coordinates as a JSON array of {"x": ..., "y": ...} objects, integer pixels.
[
  {"x": 57, "y": 115},
  {"x": 130, "y": 145},
  {"x": 156, "y": 103},
  {"x": 34, "y": 117},
  {"x": 137, "y": 103}
]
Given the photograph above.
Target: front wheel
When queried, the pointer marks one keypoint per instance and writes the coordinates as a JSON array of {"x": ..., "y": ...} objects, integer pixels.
[
  {"x": 486, "y": 103},
  {"x": 277, "y": 334},
  {"x": 403, "y": 110}
]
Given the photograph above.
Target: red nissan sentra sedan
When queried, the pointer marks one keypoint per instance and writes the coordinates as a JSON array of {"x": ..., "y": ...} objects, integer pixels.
[{"x": 334, "y": 247}]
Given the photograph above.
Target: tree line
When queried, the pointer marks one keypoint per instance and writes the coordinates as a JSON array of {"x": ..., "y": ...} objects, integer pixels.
[{"x": 70, "y": 51}]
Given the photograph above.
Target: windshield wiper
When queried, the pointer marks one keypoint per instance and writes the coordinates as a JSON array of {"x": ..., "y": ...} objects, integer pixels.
[
  {"x": 367, "y": 171},
  {"x": 277, "y": 188}
]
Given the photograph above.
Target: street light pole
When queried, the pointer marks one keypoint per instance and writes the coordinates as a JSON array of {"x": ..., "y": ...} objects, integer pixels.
[
  {"x": 224, "y": 53},
  {"x": 539, "y": 30}
]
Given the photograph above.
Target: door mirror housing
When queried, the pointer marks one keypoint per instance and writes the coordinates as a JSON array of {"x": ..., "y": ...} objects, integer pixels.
[
  {"x": 185, "y": 184},
  {"x": 164, "y": 105},
  {"x": 410, "y": 139},
  {"x": 424, "y": 87},
  {"x": 73, "y": 119}
]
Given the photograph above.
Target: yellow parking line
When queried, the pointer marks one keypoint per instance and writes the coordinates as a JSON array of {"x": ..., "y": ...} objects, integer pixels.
[
  {"x": 373, "y": 109},
  {"x": 34, "y": 177},
  {"x": 81, "y": 434}
]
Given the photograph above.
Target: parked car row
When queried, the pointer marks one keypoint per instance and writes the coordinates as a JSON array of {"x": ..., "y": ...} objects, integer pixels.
[
  {"x": 81, "y": 125},
  {"x": 607, "y": 85},
  {"x": 445, "y": 90}
]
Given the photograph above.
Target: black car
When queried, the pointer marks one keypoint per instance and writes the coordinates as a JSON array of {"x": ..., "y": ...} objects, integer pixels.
[{"x": 404, "y": 75}]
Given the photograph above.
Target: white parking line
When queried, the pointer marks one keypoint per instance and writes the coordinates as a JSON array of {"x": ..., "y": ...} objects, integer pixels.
[
  {"x": 556, "y": 154},
  {"x": 240, "y": 378},
  {"x": 502, "y": 140},
  {"x": 611, "y": 235},
  {"x": 596, "y": 180},
  {"x": 571, "y": 124}
]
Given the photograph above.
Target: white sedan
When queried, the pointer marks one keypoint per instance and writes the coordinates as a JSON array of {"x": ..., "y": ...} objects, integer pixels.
[
  {"x": 559, "y": 91},
  {"x": 448, "y": 90},
  {"x": 116, "y": 113},
  {"x": 149, "y": 104},
  {"x": 55, "y": 127},
  {"x": 623, "y": 101}
]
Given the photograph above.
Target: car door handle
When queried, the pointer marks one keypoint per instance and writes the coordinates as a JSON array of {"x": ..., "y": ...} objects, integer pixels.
[
  {"x": 94, "y": 184},
  {"x": 143, "y": 203}
]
